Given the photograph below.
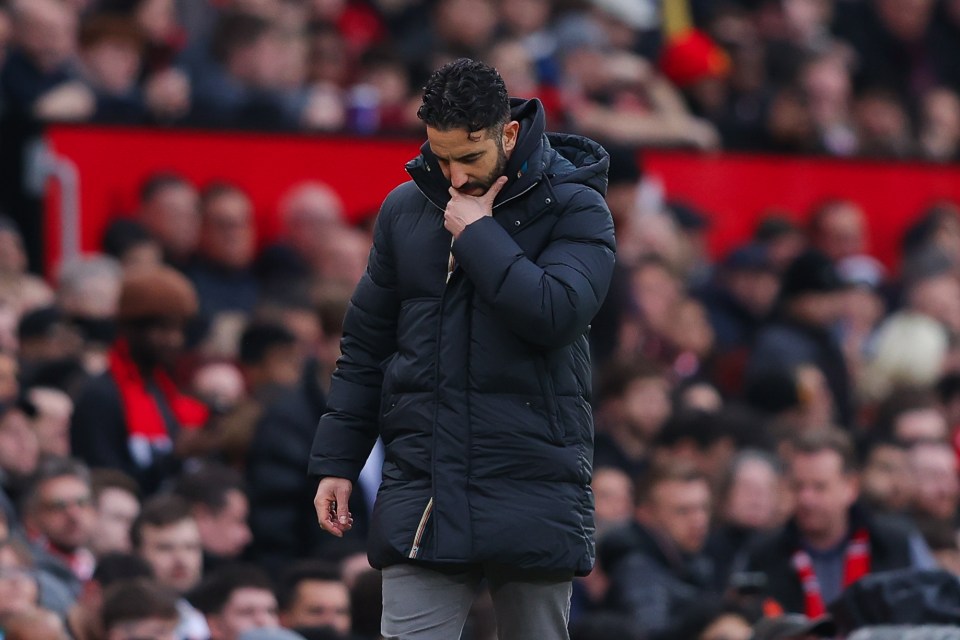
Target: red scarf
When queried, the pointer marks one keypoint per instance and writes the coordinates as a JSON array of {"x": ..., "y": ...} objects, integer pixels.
[
  {"x": 140, "y": 411},
  {"x": 856, "y": 564}
]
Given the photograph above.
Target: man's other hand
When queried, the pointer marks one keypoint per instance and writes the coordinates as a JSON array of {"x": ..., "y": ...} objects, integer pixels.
[{"x": 333, "y": 512}]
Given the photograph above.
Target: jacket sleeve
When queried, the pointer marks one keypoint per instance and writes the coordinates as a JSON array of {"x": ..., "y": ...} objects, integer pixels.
[
  {"x": 348, "y": 430},
  {"x": 549, "y": 302}
]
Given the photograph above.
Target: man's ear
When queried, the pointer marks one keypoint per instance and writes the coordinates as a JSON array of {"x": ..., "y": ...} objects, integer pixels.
[{"x": 511, "y": 132}]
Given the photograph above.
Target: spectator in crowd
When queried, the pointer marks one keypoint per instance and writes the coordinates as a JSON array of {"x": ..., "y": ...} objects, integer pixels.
[
  {"x": 37, "y": 80},
  {"x": 166, "y": 535},
  {"x": 270, "y": 363},
  {"x": 934, "y": 468},
  {"x": 51, "y": 422},
  {"x": 939, "y": 136},
  {"x": 236, "y": 599},
  {"x": 311, "y": 594},
  {"x": 307, "y": 211},
  {"x": 22, "y": 290},
  {"x": 741, "y": 297},
  {"x": 282, "y": 437},
  {"x": 19, "y": 590},
  {"x": 170, "y": 211},
  {"x": 635, "y": 408},
  {"x": 750, "y": 503},
  {"x": 84, "y": 620},
  {"x": 48, "y": 339},
  {"x": 116, "y": 498},
  {"x": 912, "y": 415},
  {"x": 699, "y": 438},
  {"x": 657, "y": 565},
  {"x": 930, "y": 287},
  {"x": 838, "y": 228},
  {"x": 613, "y": 496},
  {"x": 809, "y": 304},
  {"x": 19, "y": 456},
  {"x": 59, "y": 520},
  {"x": 131, "y": 244},
  {"x": 221, "y": 271},
  {"x": 130, "y": 417},
  {"x": 87, "y": 293},
  {"x": 139, "y": 608},
  {"x": 36, "y": 624},
  {"x": 829, "y": 542},
  {"x": 886, "y": 481},
  {"x": 238, "y": 73},
  {"x": 219, "y": 506},
  {"x": 110, "y": 54}
]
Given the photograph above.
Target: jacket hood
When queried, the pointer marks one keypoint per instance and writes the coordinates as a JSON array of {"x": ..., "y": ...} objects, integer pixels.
[{"x": 563, "y": 158}]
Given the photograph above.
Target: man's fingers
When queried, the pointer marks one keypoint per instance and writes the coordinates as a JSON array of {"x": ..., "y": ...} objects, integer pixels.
[
  {"x": 494, "y": 189},
  {"x": 324, "y": 506},
  {"x": 342, "y": 495}
]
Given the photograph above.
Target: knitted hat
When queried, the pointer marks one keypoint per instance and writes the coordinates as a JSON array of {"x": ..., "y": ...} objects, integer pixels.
[
  {"x": 693, "y": 56},
  {"x": 156, "y": 292}
]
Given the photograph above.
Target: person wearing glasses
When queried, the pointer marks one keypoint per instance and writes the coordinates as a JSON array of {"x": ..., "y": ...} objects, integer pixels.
[{"x": 59, "y": 519}]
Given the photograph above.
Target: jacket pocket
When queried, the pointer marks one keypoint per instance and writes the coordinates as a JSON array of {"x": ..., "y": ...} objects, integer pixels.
[
  {"x": 550, "y": 404},
  {"x": 421, "y": 530}
]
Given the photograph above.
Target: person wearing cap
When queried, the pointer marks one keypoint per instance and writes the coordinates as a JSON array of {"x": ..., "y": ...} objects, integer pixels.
[
  {"x": 130, "y": 417},
  {"x": 741, "y": 296},
  {"x": 810, "y": 303}
]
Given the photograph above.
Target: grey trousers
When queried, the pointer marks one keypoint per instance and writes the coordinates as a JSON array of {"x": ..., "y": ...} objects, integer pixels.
[{"x": 424, "y": 604}]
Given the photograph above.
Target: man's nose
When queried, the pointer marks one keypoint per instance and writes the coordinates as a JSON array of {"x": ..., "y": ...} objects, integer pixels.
[{"x": 458, "y": 177}]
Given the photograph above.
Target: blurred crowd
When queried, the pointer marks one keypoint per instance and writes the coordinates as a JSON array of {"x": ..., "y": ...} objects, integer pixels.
[
  {"x": 158, "y": 400},
  {"x": 868, "y": 78},
  {"x": 158, "y": 403}
]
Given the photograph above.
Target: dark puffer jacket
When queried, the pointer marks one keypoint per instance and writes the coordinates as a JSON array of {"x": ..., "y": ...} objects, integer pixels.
[{"x": 479, "y": 384}]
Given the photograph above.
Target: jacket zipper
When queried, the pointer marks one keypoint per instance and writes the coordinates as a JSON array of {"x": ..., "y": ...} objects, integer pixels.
[{"x": 421, "y": 528}]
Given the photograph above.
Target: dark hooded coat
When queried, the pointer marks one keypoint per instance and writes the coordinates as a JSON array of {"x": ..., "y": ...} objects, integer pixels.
[{"x": 479, "y": 384}]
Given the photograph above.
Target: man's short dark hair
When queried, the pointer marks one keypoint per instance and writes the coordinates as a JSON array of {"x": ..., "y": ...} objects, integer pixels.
[
  {"x": 236, "y": 30},
  {"x": 216, "y": 190},
  {"x": 693, "y": 426},
  {"x": 290, "y": 579},
  {"x": 899, "y": 402},
  {"x": 51, "y": 469},
  {"x": 260, "y": 338},
  {"x": 828, "y": 439},
  {"x": 465, "y": 94},
  {"x": 159, "y": 511},
  {"x": 140, "y": 599},
  {"x": 157, "y": 182},
  {"x": 681, "y": 472},
  {"x": 116, "y": 567},
  {"x": 103, "y": 479},
  {"x": 209, "y": 486},
  {"x": 215, "y": 591}
]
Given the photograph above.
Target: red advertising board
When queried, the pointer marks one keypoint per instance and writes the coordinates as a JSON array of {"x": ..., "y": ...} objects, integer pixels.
[{"x": 101, "y": 169}]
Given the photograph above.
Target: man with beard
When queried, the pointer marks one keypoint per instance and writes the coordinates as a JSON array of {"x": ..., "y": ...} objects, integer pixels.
[
  {"x": 59, "y": 520},
  {"x": 465, "y": 349},
  {"x": 130, "y": 417}
]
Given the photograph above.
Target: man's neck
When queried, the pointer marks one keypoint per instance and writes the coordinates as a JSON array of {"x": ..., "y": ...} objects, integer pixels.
[{"x": 828, "y": 539}]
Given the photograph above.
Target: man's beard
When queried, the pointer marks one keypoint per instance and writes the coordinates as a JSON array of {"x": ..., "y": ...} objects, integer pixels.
[{"x": 482, "y": 186}]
